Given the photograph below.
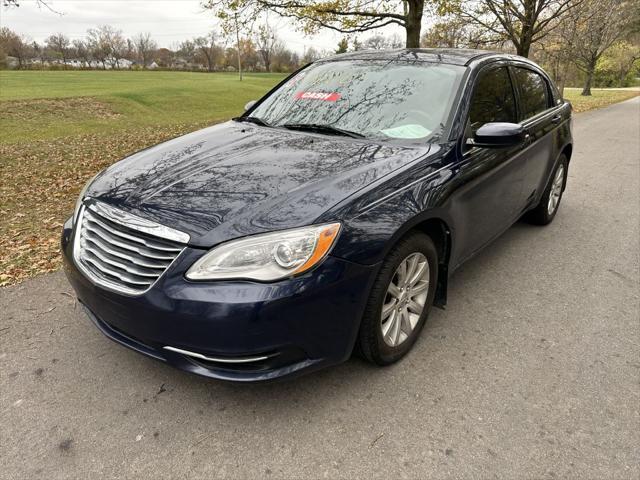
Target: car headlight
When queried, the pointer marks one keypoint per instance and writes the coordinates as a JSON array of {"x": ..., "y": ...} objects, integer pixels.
[
  {"x": 81, "y": 197},
  {"x": 267, "y": 257}
]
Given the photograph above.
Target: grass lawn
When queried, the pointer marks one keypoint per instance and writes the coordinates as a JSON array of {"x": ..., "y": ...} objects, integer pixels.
[
  {"x": 599, "y": 98},
  {"x": 57, "y": 129},
  {"x": 46, "y": 105}
]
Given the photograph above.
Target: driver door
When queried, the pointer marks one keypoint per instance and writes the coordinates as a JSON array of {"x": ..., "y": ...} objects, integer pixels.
[{"x": 491, "y": 179}]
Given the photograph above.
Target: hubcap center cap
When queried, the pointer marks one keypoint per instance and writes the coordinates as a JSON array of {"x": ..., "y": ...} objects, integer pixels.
[{"x": 404, "y": 297}]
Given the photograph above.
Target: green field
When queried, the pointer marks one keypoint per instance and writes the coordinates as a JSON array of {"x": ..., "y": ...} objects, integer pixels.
[
  {"x": 42, "y": 104},
  {"x": 57, "y": 129}
]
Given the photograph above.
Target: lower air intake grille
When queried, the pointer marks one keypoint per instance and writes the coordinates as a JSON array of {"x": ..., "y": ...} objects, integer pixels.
[{"x": 122, "y": 252}]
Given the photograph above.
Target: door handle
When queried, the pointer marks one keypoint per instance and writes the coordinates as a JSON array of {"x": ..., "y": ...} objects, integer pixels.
[{"x": 556, "y": 118}]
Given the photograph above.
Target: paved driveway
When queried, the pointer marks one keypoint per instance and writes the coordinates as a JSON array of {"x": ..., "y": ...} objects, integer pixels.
[{"x": 531, "y": 372}]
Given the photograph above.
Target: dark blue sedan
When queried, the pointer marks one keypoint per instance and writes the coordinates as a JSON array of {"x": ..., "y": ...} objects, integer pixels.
[{"x": 325, "y": 219}]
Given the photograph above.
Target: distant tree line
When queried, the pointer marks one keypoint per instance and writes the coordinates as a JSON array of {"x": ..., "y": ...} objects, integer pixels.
[
  {"x": 587, "y": 42},
  {"x": 105, "y": 47}
]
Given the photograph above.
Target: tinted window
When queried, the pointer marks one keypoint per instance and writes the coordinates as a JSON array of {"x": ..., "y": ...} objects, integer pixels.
[
  {"x": 493, "y": 99},
  {"x": 393, "y": 100},
  {"x": 533, "y": 92}
]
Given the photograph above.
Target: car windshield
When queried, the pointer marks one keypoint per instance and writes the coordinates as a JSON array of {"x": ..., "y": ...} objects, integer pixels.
[{"x": 374, "y": 99}]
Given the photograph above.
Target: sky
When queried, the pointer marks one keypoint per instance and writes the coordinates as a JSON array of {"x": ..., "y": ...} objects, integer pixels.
[{"x": 168, "y": 21}]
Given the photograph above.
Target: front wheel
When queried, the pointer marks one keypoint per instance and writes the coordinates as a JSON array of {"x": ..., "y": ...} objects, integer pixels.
[
  {"x": 400, "y": 300},
  {"x": 546, "y": 210}
]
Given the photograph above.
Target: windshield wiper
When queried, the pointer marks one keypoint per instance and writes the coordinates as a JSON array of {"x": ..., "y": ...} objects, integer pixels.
[
  {"x": 256, "y": 120},
  {"x": 314, "y": 127}
]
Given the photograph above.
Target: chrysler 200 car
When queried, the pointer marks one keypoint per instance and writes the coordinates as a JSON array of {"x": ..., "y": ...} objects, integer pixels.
[{"x": 325, "y": 219}]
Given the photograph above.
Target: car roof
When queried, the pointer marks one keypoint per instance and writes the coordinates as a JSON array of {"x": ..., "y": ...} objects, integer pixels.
[{"x": 454, "y": 56}]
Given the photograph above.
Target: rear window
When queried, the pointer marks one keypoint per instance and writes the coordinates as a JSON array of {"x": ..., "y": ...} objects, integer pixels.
[{"x": 533, "y": 92}]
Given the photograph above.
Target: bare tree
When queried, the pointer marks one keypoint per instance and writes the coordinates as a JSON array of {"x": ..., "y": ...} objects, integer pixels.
[
  {"x": 267, "y": 43},
  {"x": 106, "y": 45},
  {"x": 118, "y": 46},
  {"x": 376, "y": 42},
  {"x": 100, "y": 49},
  {"x": 456, "y": 32},
  {"x": 396, "y": 41},
  {"x": 208, "y": 50},
  {"x": 597, "y": 25},
  {"x": 555, "y": 51},
  {"x": 39, "y": 3},
  {"x": 145, "y": 47},
  {"x": 82, "y": 51},
  {"x": 523, "y": 22},
  {"x": 59, "y": 43},
  {"x": 131, "y": 53},
  {"x": 310, "y": 55},
  {"x": 40, "y": 52},
  {"x": 284, "y": 60},
  {"x": 188, "y": 52},
  {"x": 16, "y": 46}
]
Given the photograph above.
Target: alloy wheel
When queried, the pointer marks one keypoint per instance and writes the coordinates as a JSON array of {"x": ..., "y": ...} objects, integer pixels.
[
  {"x": 405, "y": 299},
  {"x": 556, "y": 190}
]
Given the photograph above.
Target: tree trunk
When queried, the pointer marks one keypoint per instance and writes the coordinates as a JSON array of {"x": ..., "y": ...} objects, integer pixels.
[
  {"x": 413, "y": 22},
  {"x": 238, "y": 47},
  {"x": 591, "y": 68},
  {"x": 586, "y": 91},
  {"x": 563, "y": 75},
  {"x": 526, "y": 32},
  {"x": 524, "y": 45}
]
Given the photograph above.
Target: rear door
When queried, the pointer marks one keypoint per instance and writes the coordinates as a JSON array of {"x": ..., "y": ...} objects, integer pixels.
[
  {"x": 538, "y": 115},
  {"x": 489, "y": 192}
]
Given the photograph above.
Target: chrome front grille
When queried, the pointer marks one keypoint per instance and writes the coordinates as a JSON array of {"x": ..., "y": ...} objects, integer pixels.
[{"x": 123, "y": 252}]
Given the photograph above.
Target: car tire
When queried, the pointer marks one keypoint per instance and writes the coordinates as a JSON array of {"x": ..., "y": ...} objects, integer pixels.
[
  {"x": 416, "y": 251},
  {"x": 545, "y": 211}
]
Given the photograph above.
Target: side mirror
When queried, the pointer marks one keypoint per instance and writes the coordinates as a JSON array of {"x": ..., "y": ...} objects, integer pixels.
[
  {"x": 497, "y": 135},
  {"x": 249, "y": 105}
]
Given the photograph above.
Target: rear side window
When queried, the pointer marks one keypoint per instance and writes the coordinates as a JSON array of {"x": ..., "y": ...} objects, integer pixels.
[
  {"x": 493, "y": 99},
  {"x": 534, "y": 94}
]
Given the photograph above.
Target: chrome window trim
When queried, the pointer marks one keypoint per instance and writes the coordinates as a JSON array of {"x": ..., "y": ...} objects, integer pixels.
[{"x": 105, "y": 283}]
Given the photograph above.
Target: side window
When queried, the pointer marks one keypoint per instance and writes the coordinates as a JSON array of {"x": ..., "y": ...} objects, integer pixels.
[
  {"x": 493, "y": 100},
  {"x": 534, "y": 94}
]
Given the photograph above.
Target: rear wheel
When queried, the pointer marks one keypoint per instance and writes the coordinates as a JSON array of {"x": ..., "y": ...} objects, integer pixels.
[
  {"x": 546, "y": 210},
  {"x": 400, "y": 300}
]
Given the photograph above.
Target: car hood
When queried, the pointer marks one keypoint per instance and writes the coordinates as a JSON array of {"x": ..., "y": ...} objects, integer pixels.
[{"x": 237, "y": 179}]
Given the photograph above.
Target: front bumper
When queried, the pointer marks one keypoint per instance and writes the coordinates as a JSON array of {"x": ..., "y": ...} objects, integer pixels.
[{"x": 299, "y": 324}]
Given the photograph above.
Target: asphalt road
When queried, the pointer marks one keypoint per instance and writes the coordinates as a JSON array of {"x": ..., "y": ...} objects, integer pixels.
[{"x": 532, "y": 371}]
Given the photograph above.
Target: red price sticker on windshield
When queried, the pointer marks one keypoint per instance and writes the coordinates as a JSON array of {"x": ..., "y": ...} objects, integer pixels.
[{"x": 325, "y": 96}]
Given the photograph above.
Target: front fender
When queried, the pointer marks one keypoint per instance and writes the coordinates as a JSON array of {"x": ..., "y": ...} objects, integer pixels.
[{"x": 373, "y": 223}]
